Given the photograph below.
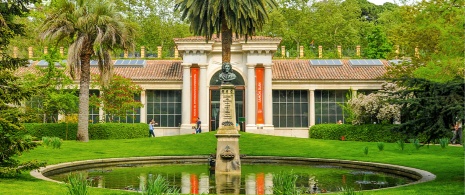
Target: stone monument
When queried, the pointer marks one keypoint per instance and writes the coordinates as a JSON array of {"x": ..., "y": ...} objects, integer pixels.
[{"x": 228, "y": 163}]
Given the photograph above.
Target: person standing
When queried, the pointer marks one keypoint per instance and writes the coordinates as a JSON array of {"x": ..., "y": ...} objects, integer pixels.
[
  {"x": 198, "y": 128},
  {"x": 457, "y": 133},
  {"x": 151, "y": 125}
]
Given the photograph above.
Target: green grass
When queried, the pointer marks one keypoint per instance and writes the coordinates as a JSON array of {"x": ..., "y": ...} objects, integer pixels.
[{"x": 447, "y": 164}]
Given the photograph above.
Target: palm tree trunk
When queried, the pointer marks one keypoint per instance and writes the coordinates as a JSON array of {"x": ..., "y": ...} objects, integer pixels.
[
  {"x": 226, "y": 41},
  {"x": 83, "y": 119}
]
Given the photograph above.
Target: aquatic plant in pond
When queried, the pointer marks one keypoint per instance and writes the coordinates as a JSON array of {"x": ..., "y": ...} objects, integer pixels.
[
  {"x": 159, "y": 185},
  {"x": 284, "y": 183},
  {"x": 77, "y": 184}
]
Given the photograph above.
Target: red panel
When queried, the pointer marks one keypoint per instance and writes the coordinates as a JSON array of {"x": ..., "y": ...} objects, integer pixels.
[
  {"x": 195, "y": 94},
  {"x": 259, "y": 72}
]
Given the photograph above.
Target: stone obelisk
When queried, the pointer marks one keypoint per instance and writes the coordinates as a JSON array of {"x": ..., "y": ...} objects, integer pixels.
[{"x": 228, "y": 162}]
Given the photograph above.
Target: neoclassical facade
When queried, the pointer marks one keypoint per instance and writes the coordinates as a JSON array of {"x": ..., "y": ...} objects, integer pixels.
[{"x": 280, "y": 97}]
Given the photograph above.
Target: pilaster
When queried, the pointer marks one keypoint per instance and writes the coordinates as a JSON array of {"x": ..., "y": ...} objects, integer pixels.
[
  {"x": 268, "y": 103},
  {"x": 186, "y": 126},
  {"x": 250, "y": 94},
  {"x": 143, "y": 110},
  {"x": 203, "y": 98},
  {"x": 312, "y": 107}
]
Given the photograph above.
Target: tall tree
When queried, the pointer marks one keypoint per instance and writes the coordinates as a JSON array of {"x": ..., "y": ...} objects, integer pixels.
[
  {"x": 13, "y": 140},
  {"x": 95, "y": 28},
  {"x": 242, "y": 17},
  {"x": 429, "y": 107}
]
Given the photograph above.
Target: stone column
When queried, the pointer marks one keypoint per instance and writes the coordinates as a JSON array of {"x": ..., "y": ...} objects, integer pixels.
[
  {"x": 267, "y": 99},
  {"x": 320, "y": 51},
  {"x": 311, "y": 113},
  {"x": 339, "y": 51},
  {"x": 142, "y": 52},
  {"x": 203, "y": 98},
  {"x": 159, "y": 52},
  {"x": 101, "y": 113},
  {"x": 186, "y": 127},
  {"x": 301, "y": 53},
  {"x": 143, "y": 110},
  {"x": 125, "y": 53},
  {"x": 30, "y": 52},
  {"x": 250, "y": 94},
  {"x": 62, "y": 51},
  {"x": 45, "y": 50},
  {"x": 283, "y": 51},
  {"x": 15, "y": 52},
  {"x": 176, "y": 52},
  {"x": 358, "y": 50}
]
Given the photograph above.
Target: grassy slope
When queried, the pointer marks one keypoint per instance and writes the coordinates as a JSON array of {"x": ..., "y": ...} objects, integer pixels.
[{"x": 447, "y": 164}]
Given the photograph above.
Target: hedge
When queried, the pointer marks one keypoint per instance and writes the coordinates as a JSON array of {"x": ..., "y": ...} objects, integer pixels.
[
  {"x": 68, "y": 131},
  {"x": 367, "y": 133}
]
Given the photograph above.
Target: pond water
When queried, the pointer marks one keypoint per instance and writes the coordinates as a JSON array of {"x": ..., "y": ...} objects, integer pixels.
[{"x": 255, "y": 178}]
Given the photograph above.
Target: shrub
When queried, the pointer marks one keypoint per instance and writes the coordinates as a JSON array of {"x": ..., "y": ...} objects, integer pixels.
[
  {"x": 401, "y": 144},
  {"x": 96, "y": 131},
  {"x": 368, "y": 133},
  {"x": 54, "y": 142},
  {"x": 444, "y": 142},
  {"x": 380, "y": 146},
  {"x": 365, "y": 151}
]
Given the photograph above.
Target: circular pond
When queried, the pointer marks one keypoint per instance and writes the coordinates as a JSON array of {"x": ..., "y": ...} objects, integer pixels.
[{"x": 191, "y": 175}]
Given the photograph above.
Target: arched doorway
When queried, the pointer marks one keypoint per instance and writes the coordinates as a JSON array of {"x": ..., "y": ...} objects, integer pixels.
[{"x": 215, "y": 99}]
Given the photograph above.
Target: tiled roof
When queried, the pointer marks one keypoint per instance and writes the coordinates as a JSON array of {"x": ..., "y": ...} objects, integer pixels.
[
  {"x": 218, "y": 38},
  {"x": 171, "y": 70},
  {"x": 154, "y": 70},
  {"x": 303, "y": 70}
]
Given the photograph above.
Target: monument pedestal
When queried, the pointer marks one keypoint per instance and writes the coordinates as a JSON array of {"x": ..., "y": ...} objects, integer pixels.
[{"x": 227, "y": 150}]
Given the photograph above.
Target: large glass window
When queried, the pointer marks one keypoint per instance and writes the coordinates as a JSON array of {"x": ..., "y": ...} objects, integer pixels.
[
  {"x": 94, "y": 116},
  {"x": 165, "y": 107},
  {"x": 327, "y": 105},
  {"x": 290, "y": 108},
  {"x": 131, "y": 117}
]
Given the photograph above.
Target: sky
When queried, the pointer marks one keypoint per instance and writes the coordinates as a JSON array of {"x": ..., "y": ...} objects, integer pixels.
[{"x": 380, "y": 2}]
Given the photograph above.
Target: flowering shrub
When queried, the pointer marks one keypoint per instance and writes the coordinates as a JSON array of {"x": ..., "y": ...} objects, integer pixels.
[{"x": 376, "y": 105}]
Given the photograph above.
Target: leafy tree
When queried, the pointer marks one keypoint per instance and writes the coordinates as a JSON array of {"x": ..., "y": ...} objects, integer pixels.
[
  {"x": 13, "y": 138},
  {"x": 223, "y": 17},
  {"x": 117, "y": 98},
  {"x": 378, "y": 46},
  {"x": 95, "y": 28},
  {"x": 429, "y": 107},
  {"x": 54, "y": 92}
]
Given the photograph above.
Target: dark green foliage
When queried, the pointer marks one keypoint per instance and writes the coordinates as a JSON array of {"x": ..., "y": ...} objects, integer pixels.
[
  {"x": 378, "y": 45},
  {"x": 368, "y": 133},
  {"x": 96, "y": 131},
  {"x": 118, "y": 130},
  {"x": 430, "y": 108},
  {"x": 13, "y": 138}
]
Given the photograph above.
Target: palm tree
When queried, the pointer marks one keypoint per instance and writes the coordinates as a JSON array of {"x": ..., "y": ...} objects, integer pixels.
[
  {"x": 225, "y": 17},
  {"x": 94, "y": 28}
]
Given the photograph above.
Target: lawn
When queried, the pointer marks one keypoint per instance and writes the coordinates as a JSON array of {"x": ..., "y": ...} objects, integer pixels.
[{"x": 447, "y": 164}]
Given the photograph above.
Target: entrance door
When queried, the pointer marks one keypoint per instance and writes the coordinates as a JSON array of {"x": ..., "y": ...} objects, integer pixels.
[{"x": 215, "y": 106}]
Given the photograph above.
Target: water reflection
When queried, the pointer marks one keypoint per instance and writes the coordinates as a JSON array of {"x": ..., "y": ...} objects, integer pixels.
[{"x": 255, "y": 179}]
